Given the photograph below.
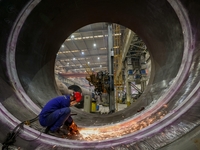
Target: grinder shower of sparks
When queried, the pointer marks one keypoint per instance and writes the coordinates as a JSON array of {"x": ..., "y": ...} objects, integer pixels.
[
  {"x": 116, "y": 130},
  {"x": 73, "y": 128}
]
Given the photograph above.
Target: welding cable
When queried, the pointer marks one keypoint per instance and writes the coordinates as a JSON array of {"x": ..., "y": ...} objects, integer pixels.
[
  {"x": 32, "y": 139},
  {"x": 11, "y": 136},
  {"x": 28, "y": 122}
]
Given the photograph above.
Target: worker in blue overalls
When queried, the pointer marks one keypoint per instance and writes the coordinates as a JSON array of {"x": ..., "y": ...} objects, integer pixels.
[{"x": 57, "y": 112}]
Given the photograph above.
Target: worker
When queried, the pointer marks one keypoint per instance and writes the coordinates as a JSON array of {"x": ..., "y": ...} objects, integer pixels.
[{"x": 56, "y": 112}]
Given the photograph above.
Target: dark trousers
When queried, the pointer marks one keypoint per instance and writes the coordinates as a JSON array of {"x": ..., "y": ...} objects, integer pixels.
[{"x": 56, "y": 119}]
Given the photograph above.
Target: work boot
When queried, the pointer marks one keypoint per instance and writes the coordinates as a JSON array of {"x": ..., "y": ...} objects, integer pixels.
[
  {"x": 47, "y": 129},
  {"x": 59, "y": 132},
  {"x": 54, "y": 133},
  {"x": 64, "y": 129}
]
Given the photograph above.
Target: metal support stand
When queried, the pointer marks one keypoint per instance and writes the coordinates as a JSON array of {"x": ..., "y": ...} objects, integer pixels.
[
  {"x": 128, "y": 93},
  {"x": 110, "y": 68}
]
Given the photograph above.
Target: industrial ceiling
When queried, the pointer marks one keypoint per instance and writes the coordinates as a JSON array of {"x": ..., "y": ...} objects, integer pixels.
[{"x": 85, "y": 49}]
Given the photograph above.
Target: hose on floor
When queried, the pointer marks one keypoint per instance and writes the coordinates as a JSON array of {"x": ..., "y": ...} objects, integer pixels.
[{"x": 11, "y": 136}]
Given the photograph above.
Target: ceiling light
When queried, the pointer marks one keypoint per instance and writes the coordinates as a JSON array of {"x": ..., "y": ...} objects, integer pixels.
[
  {"x": 94, "y": 45},
  {"x": 100, "y": 66},
  {"x": 74, "y": 58},
  {"x": 80, "y": 66},
  {"x": 117, "y": 34},
  {"x": 88, "y": 62},
  {"x": 82, "y": 53},
  {"x": 98, "y": 58},
  {"x": 63, "y": 46},
  {"x": 85, "y": 37}
]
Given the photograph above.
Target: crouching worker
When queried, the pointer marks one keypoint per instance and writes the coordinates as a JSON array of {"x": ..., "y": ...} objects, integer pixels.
[{"x": 56, "y": 112}]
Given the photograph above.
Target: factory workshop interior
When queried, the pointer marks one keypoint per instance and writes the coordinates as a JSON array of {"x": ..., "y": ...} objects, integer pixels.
[{"x": 136, "y": 64}]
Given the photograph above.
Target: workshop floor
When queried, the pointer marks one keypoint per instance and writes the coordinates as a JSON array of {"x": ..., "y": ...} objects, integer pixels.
[
  {"x": 36, "y": 125},
  {"x": 105, "y": 109}
]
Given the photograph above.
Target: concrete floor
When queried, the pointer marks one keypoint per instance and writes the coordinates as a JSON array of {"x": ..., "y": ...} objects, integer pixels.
[{"x": 104, "y": 109}]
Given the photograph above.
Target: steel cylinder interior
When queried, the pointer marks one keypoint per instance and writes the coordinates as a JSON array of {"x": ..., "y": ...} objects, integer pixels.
[{"x": 36, "y": 29}]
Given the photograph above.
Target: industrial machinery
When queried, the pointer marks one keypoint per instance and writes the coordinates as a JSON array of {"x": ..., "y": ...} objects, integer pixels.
[{"x": 100, "y": 81}]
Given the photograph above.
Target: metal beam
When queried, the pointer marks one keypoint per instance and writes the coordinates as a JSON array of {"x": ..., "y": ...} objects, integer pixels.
[
  {"x": 125, "y": 47},
  {"x": 73, "y": 75},
  {"x": 110, "y": 69},
  {"x": 84, "y": 56}
]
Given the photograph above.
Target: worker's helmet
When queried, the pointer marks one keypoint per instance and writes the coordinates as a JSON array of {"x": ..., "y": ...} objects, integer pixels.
[{"x": 77, "y": 96}]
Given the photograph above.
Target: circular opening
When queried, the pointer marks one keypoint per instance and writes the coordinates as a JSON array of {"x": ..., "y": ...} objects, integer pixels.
[
  {"x": 82, "y": 60},
  {"x": 44, "y": 31}
]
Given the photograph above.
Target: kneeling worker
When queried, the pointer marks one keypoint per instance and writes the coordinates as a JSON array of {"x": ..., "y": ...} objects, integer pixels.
[{"x": 56, "y": 112}]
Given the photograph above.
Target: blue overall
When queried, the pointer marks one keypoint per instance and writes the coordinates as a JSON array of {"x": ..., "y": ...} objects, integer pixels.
[{"x": 55, "y": 113}]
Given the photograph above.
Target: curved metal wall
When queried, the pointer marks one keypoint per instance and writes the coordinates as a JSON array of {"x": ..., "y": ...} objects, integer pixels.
[{"x": 169, "y": 28}]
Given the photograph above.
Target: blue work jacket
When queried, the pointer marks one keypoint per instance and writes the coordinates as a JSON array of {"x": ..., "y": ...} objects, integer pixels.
[{"x": 55, "y": 104}]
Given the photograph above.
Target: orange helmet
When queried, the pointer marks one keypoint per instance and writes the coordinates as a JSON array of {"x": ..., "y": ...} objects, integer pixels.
[{"x": 77, "y": 96}]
